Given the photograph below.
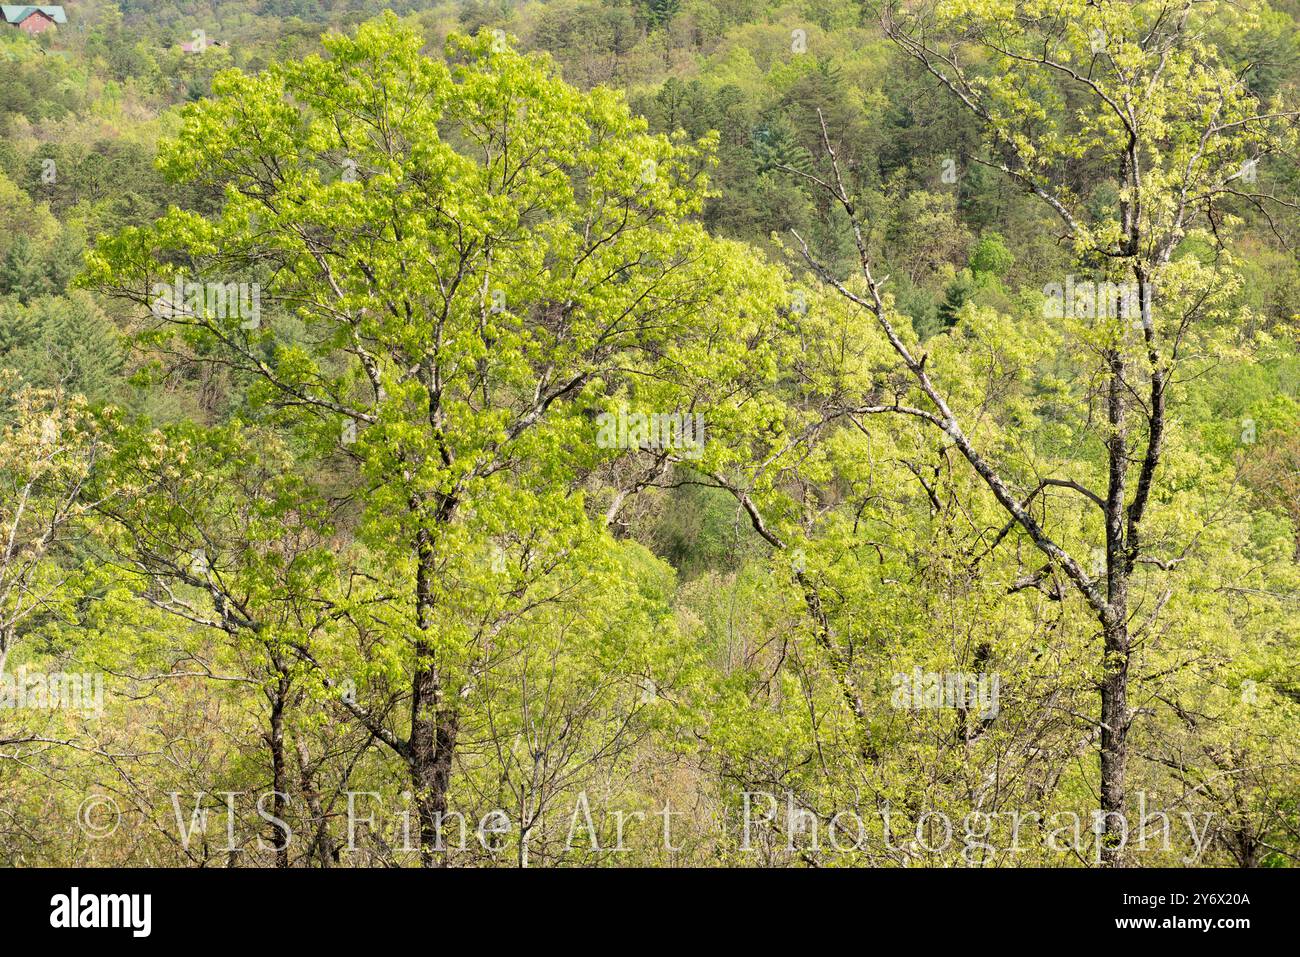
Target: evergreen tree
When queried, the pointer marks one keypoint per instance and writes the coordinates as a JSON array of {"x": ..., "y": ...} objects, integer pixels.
[
  {"x": 70, "y": 344},
  {"x": 23, "y": 274}
]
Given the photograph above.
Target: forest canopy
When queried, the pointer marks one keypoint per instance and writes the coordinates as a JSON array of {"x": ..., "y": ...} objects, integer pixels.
[{"x": 651, "y": 433}]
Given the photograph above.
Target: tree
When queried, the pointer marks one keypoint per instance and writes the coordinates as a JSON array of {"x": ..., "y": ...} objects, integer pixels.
[
  {"x": 23, "y": 274},
  {"x": 1140, "y": 92},
  {"x": 991, "y": 256},
  {"x": 70, "y": 344},
  {"x": 51, "y": 452},
  {"x": 480, "y": 259}
]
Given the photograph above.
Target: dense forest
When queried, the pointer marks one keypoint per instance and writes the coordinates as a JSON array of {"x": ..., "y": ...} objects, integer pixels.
[{"x": 651, "y": 433}]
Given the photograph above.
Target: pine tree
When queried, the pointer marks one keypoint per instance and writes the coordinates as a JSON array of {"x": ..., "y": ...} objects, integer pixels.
[
  {"x": 71, "y": 344},
  {"x": 22, "y": 273}
]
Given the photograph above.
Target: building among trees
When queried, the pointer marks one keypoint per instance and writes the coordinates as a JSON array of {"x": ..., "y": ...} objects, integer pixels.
[{"x": 33, "y": 20}]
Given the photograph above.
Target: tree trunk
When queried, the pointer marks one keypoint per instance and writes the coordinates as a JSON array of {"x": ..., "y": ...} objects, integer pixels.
[
  {"x": 279, "y": 771},
  {"x": 1114, "y": 742},
  {"x": 322, "y": 846},
  {"x": 433, "y": 724},
  {"x": 432, "y": 745}
]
